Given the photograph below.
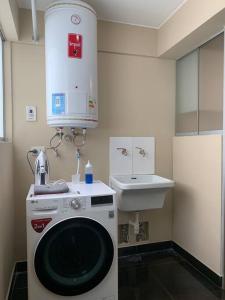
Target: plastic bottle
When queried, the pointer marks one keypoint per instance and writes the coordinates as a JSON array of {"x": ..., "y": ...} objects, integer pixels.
[{"x": 88, "y": 173}]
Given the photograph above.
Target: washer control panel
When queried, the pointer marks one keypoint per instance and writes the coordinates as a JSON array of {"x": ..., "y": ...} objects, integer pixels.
[
  {"x": 47, "y": 205},
  {"x": 101, "y": 200},
  {"x": 75, "y": 203},
  {"x": 72, "y": 204}
]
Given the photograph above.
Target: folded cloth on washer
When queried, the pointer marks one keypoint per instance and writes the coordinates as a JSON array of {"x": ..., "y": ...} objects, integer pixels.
[{"x": 57, "y": 188}]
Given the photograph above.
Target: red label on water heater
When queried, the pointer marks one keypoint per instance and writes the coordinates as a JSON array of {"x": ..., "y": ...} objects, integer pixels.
[
  {"x": 74, "y": 45},
  {"x": 40, "y": 224}
]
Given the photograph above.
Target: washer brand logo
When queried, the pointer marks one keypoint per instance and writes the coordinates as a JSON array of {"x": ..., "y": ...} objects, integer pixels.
[
  {"x": 75, "y": 19},
  {"x": 40, "y": 224}
]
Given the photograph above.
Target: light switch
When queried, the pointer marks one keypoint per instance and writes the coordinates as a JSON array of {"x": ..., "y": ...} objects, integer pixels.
[{"x": 31, "y": 113}]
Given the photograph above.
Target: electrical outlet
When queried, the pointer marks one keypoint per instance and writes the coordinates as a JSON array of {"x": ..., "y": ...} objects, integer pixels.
[
  {"x": 143, "y": 234},
  {"x": 123, "y": 233},
  {"x": 37, "y": 149}
]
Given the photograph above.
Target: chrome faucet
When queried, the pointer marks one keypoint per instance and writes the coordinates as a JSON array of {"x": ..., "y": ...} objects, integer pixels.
[
  {"x": 141, "y": 151},
  {"x": 123, "y": 151}
]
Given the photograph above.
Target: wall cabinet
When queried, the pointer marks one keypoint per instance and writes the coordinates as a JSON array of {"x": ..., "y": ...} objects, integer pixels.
[
  {"x": 199, "y": 89},
  {"x": 187, "y": 93}
]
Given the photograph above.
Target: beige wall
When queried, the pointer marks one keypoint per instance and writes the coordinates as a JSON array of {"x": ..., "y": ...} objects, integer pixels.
[
  {"x": 126, "y": 39},
  {"x": 136, "y": 98},
  {"x": 197, "y": 163},
  {"x": 26, "y": 29},
  {"x": 9, "y": 19},
  {"x": 192, "y": 25},
  {"x": 7, "y": 216},
  {"x": 8, "y": 93},
  {"x": 112, "y": 37}
]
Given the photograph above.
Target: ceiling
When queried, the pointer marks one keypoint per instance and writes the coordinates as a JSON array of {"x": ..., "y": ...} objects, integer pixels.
[{"x": 148, "y": 13}]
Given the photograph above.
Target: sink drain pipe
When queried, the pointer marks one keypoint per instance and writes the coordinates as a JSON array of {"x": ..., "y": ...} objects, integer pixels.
[{"x": 136, "y": 223}]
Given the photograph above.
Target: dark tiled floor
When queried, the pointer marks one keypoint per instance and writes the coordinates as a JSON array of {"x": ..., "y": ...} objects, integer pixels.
[
  {"x": 156, "y": 276},
  {"x": 19, "y": 289},
  {"x": 163, "y": 276}
]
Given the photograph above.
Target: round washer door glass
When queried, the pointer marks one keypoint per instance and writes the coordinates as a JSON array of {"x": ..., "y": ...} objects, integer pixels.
[{"x": 74, "y": 256}]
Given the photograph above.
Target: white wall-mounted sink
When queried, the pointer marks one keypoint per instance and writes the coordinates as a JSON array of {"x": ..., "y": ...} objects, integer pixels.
[{"x": 140, "y": 192}]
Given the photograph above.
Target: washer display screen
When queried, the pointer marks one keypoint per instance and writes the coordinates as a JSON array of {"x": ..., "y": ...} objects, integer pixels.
[{"x": 74, "y": 256}]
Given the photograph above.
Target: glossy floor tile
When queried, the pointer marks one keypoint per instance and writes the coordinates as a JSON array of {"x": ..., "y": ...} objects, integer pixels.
[
  {"x": 162, "y": 275},
  {"x": 19, "y": 288}
]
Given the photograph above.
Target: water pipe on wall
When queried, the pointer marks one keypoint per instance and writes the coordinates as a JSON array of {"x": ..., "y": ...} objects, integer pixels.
[
  {"x": 136, "y": 223},
  {"x": 34, "y": 20}
]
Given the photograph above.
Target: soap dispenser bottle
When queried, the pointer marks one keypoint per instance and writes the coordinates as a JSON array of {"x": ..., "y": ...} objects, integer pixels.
[{"x": 88, "y": 173}]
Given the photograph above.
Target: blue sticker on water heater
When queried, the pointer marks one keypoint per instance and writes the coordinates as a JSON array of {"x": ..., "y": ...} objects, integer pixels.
[{"x": 58, "y": 104}]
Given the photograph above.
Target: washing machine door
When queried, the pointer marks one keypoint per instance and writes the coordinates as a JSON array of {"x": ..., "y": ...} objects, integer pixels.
[{"x": 74, "y": 256}]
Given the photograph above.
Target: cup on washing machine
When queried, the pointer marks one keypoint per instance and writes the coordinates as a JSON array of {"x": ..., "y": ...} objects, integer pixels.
[{"x": 76, "y": 178}]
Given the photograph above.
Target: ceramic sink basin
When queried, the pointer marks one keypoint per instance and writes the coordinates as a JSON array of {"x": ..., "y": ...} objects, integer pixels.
[
  {"x": 140, "y": 192},
  {"x": 128, "y": 182}
]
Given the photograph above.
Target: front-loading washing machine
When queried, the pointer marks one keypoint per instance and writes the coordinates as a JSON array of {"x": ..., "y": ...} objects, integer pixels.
[{"x": 72, "y": 244}]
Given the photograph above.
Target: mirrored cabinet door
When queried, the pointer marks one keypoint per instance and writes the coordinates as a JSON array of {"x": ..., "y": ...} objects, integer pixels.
[
  {"x": 199, "y": 89},
  {"x": 187, "y": 94},
  {"x": 211, "y": 62}
]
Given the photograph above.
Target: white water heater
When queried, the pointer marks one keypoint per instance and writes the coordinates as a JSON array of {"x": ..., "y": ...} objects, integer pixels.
[{"x": 71, "y": 64}]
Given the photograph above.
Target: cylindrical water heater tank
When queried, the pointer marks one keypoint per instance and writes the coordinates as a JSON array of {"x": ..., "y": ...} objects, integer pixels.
[{"x": 71, "y": 64}]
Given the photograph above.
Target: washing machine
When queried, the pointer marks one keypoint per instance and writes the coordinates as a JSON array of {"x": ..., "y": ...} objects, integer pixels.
[{"x": 72, "y": 244}]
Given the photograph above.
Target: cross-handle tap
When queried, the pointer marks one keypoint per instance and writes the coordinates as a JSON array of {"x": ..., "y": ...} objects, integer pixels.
[
  {"x": 123, "y": 151},
  {"x": 141, "y": 151}
]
